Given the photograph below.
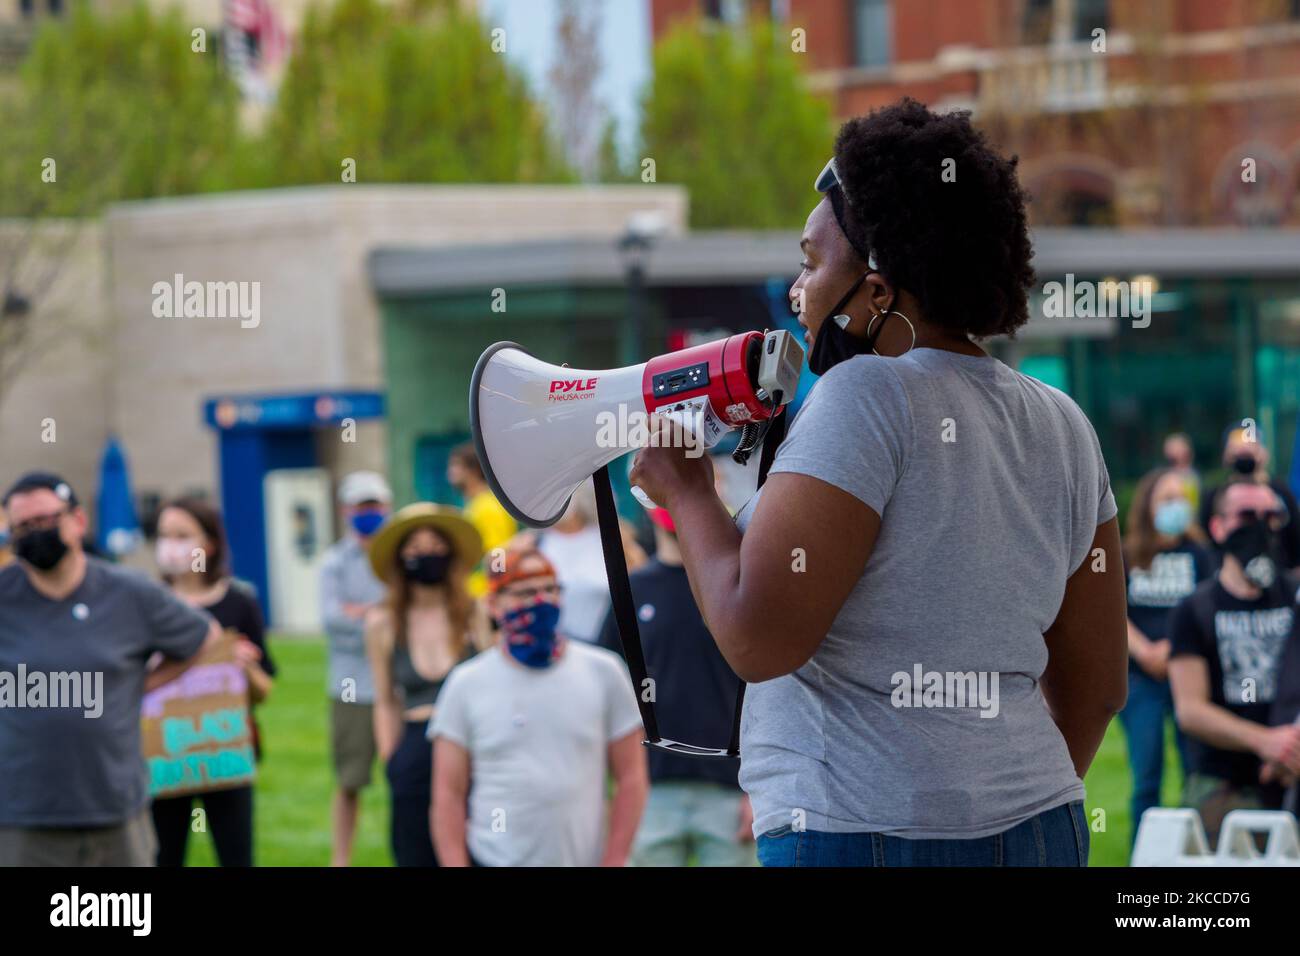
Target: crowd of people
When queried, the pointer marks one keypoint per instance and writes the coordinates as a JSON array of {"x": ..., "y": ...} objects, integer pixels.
[
  {"x": 479, "y": 663},
  {"x": 1212, "y": 636},
  {"x": 463, "y": 652}
]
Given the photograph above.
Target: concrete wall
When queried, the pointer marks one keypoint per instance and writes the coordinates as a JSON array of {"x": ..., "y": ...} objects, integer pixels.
[{"x": 64, "y": 377}]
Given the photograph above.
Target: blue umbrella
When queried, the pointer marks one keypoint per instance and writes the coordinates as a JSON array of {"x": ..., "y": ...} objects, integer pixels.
[{"x": 119, "y": 531}]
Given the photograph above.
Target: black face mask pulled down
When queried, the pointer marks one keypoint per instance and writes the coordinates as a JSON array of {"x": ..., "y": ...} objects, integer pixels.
[
  {"x": 427, "y": 568},
  {"x": 1257, "y": 549},
  {"x": 833, "y": 345},
  {"x": 41, "y": 549}
]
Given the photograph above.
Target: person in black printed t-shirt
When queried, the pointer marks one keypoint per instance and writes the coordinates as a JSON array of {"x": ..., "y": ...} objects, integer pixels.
[
  {"x": 696, "y": 808},
  {"x": 74, "y": 789},
  {"x": 1165, "y": 558},
  {"x": 1229, "y": 639}
]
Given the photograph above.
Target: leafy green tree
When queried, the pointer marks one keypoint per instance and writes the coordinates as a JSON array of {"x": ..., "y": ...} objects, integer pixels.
[
  {"x": 729, "y": 116},
  {"x": 114, "y": 107},
  {"x": 103, "y": 108},
  {"x": 412, "y": 94}
]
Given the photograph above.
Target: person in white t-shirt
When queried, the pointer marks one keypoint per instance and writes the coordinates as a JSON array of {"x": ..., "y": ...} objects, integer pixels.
[{"x": 525, "y": 735}]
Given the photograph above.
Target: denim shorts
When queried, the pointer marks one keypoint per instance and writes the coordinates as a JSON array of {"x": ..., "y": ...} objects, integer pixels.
[{"x": 1056, "y": 837}]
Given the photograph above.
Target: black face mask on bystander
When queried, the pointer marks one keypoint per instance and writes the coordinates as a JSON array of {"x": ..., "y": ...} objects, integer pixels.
[
  {"x": 1257, "y": 548},
  {"x": 427, "y": 568},
  {"x": 41, "y": 549}
]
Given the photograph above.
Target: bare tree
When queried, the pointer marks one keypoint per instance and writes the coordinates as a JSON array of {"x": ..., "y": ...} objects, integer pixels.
[
  {"x": 578, "y": 111},
  {"x": 41, "y": 225}
]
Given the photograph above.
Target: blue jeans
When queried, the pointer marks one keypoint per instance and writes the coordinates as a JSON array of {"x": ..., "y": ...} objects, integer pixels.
[
  {"x": 1143, "y": 719},
  {"x": 1056, "y": 837}
]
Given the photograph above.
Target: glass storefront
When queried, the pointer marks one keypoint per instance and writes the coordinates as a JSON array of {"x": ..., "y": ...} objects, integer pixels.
[{"x": 1216, "y": 351}]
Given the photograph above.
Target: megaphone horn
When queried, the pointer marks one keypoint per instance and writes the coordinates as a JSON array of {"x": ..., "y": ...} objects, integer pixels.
[{"x": 541, "y": 430}]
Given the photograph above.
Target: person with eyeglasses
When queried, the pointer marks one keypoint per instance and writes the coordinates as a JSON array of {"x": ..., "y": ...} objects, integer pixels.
[
  {"x": 74, "y": 791},
  {"x": 1230, "y": 638},
  {"x": 927, "y": 594},
  {"x": 526, "y": 735}
]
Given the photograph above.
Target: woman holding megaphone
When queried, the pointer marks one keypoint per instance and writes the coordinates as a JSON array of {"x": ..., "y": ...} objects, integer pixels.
[{"x": 928, "y": 592}]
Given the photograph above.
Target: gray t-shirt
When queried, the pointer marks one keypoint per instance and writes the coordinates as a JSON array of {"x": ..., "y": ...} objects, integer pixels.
[
  {"x": 537, "y": 740},
  {"x": 346, "y": 578},
  {"x": 990, "y": 486},
  {"x": 65, "y": 766}
]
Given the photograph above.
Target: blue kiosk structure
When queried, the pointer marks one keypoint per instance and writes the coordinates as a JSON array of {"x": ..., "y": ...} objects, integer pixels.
[{"x": 258, "y": 434}]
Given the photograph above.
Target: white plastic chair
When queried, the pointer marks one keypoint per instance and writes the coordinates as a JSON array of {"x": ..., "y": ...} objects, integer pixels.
[{"x": 1176, "y": 837}]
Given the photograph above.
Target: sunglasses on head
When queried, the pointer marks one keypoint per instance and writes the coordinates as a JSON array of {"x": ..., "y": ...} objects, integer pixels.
[
  {"x": 828, "y": 178},
  {"x": 828, "y": 184}
]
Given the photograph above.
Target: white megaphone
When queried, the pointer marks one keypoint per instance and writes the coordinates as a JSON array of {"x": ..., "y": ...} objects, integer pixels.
[{"x": 541, "y": 430}]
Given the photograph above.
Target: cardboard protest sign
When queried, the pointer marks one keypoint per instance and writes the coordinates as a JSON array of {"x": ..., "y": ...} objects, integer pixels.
[{"x": 197, "y": 730}]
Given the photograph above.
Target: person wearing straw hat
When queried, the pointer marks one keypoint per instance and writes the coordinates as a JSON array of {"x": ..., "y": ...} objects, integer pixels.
[{"x": 424, "y": 553}]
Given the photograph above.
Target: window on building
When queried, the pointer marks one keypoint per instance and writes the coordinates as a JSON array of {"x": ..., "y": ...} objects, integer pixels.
[
  {"x": 26, "y": 7},
  {"x": 1036, "y": 22},
  {"x": 1060, "y": 21},
  {"x": 726, "y": 11},
  {"x": 1090, "y": 15},
  {"x": 873, "y": 32}
]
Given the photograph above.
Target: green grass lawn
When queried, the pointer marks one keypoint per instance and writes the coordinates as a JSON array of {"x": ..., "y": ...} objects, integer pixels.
[{"x": 295, "y": 780}]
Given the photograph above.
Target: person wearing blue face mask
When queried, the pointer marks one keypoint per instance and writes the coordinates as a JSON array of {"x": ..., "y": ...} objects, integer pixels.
[
  {"x": 526, "y": 734},
  {"x": 349, "y": 588},
  {"x": 1165, "y": 557}
]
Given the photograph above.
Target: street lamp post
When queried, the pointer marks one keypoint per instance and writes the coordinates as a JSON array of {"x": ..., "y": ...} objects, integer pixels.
[{"x": 635, "y": 245}]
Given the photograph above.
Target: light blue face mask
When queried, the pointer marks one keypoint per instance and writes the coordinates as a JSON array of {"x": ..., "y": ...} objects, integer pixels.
[{"x": 1173, "y": 517}]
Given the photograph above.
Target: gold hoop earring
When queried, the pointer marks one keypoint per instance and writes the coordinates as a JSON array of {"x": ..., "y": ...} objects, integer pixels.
[{"x": 884, "y": 313}]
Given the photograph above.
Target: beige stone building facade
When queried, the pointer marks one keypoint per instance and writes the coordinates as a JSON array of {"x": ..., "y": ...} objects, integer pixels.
[{"x": 114, "y": 365}]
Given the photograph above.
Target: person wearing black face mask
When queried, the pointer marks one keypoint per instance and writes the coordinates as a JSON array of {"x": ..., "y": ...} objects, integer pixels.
[
  {"x": 89, "y": 627},
  {"x": 920, "y": 478},
  {"x": 428, "y": 624},
  {"x": 1229, "y": 639},
  {"x": 1245, "y": 456}
]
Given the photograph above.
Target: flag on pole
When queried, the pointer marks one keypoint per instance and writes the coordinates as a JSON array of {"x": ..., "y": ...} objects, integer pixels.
[{"x": 256, "y": 46}]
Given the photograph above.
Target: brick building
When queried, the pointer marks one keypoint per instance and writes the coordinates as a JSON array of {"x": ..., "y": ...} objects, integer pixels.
[{"x": 1124, "y": 112}]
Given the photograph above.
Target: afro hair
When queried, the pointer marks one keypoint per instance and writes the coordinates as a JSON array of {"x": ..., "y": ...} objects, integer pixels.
[{"x": 953, "y": 234}]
